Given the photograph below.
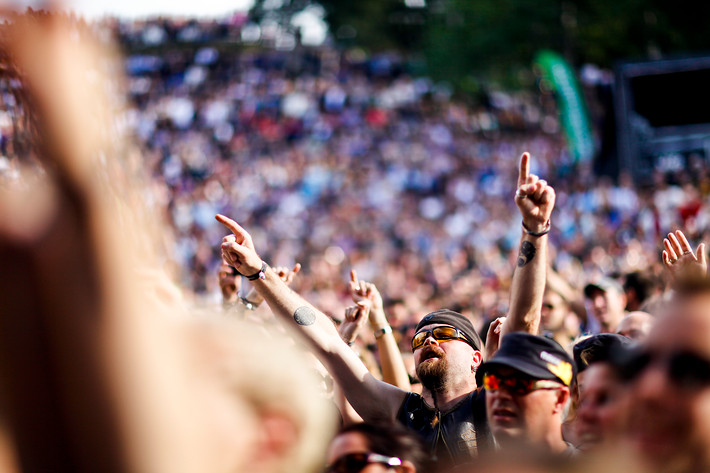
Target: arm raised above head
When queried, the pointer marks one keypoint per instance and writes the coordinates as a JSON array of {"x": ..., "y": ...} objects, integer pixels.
[
  {"x": 393, "y": 369},
  {"x": 535, "y": 200},
  {"x": 371, "y": 398}
]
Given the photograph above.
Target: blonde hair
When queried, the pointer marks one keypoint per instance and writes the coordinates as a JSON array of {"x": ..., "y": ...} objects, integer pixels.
[{"x": 273, "y": 376}]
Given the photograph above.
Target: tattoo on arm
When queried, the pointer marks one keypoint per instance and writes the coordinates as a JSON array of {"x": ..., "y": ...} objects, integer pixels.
[
  {"x": 527, "y": 253},
  {"x": 304, "y": 315}
]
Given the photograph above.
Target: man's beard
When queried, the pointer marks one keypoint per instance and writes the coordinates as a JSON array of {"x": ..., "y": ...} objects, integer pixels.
[{"x": 432, "y": 372}]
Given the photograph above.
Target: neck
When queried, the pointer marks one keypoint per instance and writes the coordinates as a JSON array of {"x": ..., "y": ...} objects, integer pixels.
[
  {"x": 554, "y": 442},
  {"x": 611, "y": 324},
  {"x": 607, "y": 327},
  {"x": 448, "y": 396},
  {"x": 563, "y": 337}
]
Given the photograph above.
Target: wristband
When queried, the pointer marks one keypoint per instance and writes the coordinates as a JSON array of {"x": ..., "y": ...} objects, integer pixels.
[
  {"x": 259, "y": 275},
  {"x": 548, "y": 226},
  {"x": 248, "y": 304},
  {"x": 383, "y": 331}
]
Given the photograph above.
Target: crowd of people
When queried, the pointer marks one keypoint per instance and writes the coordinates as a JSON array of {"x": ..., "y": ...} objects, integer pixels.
[
  {"x": 520, "y": 309},
  {"x": 333, "y": 157}
]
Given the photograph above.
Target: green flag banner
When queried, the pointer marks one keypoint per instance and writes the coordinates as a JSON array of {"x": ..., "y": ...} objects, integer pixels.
[{"x": 573, "y": 112}]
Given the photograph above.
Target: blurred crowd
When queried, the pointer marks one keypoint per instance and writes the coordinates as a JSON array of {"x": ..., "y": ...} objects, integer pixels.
[{"x": 340, "y": 160}]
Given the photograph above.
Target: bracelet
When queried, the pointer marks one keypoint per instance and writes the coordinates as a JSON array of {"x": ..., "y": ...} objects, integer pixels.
[
  {"x": 248, "y": 304},
  {"x": 548, "y": 226},
  {"x": 259, "y": 275},
  {"x": 383, "y": 331},
  {"x": 228, "y": 304}
]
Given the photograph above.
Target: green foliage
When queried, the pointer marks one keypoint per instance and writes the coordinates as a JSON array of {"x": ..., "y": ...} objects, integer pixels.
[
  {"x": 377, "y": 24},
  {"x": 489, "y": 36},
  {"x": 464, "y": 40},
  {"x": 372, "y": 24}
]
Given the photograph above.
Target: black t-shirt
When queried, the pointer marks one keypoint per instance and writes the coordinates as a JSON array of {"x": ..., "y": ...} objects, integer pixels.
[{"x": 455, "y": 436}]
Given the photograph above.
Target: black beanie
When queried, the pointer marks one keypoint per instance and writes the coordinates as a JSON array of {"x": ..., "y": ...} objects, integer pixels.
[{"x": 456, "y": 320}]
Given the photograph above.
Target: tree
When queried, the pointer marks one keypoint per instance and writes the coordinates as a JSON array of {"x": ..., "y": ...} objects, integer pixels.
[
  {"x": 461, "y": 39},
  {"x": 372, "y": 24}
]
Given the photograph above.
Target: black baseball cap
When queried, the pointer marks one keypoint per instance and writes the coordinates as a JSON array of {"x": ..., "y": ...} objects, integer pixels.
[
  {"x": 456, "y": 320},
  {"x": 608, "y": 347},
  {"x": 537, "y": 357}
]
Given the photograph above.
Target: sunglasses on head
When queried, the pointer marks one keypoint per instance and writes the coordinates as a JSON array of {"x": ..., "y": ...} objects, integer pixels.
[
  {"x": 356, "y": 462},
  {"x": 443, "y": 333},
  {"x": 517, "y": 385},
  {"x": 685, "y": 369}
]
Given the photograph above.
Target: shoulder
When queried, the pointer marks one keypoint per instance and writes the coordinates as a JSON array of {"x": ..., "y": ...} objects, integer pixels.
[
  {"x": 412, "y": 400},
  {"x": 414, "y": 413}
]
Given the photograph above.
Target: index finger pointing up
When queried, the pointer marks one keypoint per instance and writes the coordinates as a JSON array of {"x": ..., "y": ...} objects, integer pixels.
[
  {"x": 353, "y": 276},
  {"x": 233, "y": 226},
  {"x": 524, "y": 169}
]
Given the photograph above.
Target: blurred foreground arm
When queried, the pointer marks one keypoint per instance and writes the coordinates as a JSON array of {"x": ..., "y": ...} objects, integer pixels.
[{"x": 93, "y": 378}]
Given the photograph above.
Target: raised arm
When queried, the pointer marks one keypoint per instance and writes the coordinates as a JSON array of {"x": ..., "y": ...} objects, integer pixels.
[
  {"x": 535, "y": 200},
  {"x": 229, "y": 283},
  {"x": 356, "y": 317},
  {"x": 393, "y": 370},
  {"x": 371, "y": 398},
  {"x": 679, "y": 259},
  {"x": 493, "y": 338}
]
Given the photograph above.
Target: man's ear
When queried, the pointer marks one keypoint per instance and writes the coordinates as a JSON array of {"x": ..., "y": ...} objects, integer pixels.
[
  {"x": 476, "y": 361},
  {"x": 562, "y": 398},
  {"x": 623, "y": 298},
  {"x": 407, "y": 467}
]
